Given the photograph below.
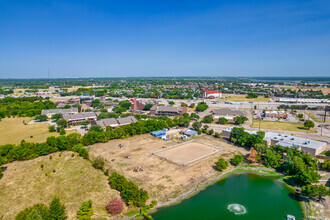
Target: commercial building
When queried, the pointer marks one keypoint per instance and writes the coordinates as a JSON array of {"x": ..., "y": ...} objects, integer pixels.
[
  {"x": 51, "y": 112},
  {"x": 167, "y": 110},
  {"x": 275, "y": 114},
  {"x": 211, "y": 94},
  {"x": 301, "y": 100},
  {"x": 271, "y": 138},
  {"x": 140, "y": 104},
  {"x": 227, "y": 113},
  {"x": 115, "y": 122},
  {"x": 74, "y": 119}
]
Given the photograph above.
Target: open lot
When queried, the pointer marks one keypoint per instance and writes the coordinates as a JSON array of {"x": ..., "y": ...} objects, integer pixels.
[
  {"x": 278, "y": 125},
  {"x": 186, "y": 153},
  {"x": 162, "y": 179},
  {"x": 13, "y": 131},
  {"x": 241, "y": 98},
  {"x": 25, "y": 183}
]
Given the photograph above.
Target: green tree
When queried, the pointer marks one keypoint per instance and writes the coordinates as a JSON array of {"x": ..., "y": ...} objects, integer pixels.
[
  {"x": 201, "y": 107},
  {"x": 210, "y": 132},
  {"x": 221, "y": 164},
  {"x": 237, "y": 159},
  {"x": 57, "y": 210},
  {"x": 86, "y": 211},
  {"x": 96, "y": 128},
  {"x": 147, "y": 106},
  {"x": 192, "y": 105},
  {"x": 223, "y": 120},
  {"x": 62, "y": 122},
  {"x": 57, "y": 116},
  {"x": 171, "y": 102},
  {"x": 38, "y": 211},
  {"x": 85, "y": 123},
  {"x": 326, "y": 165},
  {"x": 41, "y": 118},
  {"x": 317, "y": 192},
  {"x": 197, "y": 125},
  {"x": 194, "y": 116},
  {"x": 51, "y": 128},
  {"x": 252, "y": 95},
  {"x": 96, "y": 103},
  {"x": 98, "y": 163},
  {"x": 208, "y": 119},
  {"x": 309, "y": 124},
  {"x": 125, "y": 104},
  {"x": 62, "y": 132}
]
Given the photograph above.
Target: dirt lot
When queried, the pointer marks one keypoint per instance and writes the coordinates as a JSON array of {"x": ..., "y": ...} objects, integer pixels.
[
  {"x": 162, "y": 179},
  {"x": 187, "y": 152}
]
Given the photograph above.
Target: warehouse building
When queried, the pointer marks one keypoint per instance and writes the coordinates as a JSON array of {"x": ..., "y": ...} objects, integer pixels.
[
  {"x": 227, "y": 113},
  {"x": 167, "y": 110}
]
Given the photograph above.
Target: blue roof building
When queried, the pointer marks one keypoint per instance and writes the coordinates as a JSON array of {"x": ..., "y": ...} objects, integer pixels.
[{"x": 158, "y": 133}]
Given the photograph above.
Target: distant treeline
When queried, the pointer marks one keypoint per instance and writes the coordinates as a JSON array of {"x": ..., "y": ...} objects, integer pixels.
[{"x": 24, "y": 106}]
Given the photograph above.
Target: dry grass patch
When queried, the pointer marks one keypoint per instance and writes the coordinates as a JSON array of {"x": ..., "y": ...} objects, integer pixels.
[
  {"x": 25, "y": 183},
  {"x": 13, "y": 131},
  {"x": 242, "y": 98},
  {"x": 279, "y": 125}
]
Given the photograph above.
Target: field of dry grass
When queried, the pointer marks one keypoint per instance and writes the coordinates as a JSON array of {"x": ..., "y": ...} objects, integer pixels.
[
  {"x": 278, "y": 125},
  {"x": 241, "y": 98},
  {"x": 161, "y": 178},
  {"x": 13, "y": 131},
  {"x": 25, "y": 183}
]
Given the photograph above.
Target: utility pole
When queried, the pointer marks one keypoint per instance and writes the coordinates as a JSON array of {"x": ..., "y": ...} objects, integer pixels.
[{"x": 259, "y": 123}]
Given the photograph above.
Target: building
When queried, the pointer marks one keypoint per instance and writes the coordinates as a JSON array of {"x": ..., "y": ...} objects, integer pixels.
[
  {"x": 191, "y": 133},
  {"x": 74, "y": 119},
  {"x": 51, "y": 112},
  {"x": 115, "y": 122},
  {"x": 167, "y": 110},
  {"x": 306, "y": 145},
  {"x": 275, "y": 114},
  {"x": 159, "y": 133},
  {"x": 140, "y": 104},
  {"x": 302, "y": 101},
  {"x": 227, "y": 113},
  {"x": 271, "y": 138},
  {"x": 211, "y": 94}
]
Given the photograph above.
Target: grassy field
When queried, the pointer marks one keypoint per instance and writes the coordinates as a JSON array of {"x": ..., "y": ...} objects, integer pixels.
[
  {"x": 74, "y": 181},
  {"x": 242, "y": 98},
  {"x": 310, "y": 114},
  {"x": 13, "y": 131},
  {"x": 277, "y": 125}
]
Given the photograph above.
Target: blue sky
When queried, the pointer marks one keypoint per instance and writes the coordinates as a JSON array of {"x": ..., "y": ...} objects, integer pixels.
[{"x": 96, "y": 38}]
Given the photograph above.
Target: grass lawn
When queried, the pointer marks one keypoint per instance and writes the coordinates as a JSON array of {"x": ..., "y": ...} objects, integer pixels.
[
  {"x": 25, "y": 183},
  {"x": 242, "y": 98},
  {"x": 13, "y": 131},
  {"x": 278, "y": 125}
]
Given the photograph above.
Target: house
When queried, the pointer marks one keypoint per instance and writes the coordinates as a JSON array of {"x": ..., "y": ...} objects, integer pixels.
[
  {"x": 140, "y": 104},
  {"x": 74, "y": 119},
  {"x": 51, "y": 112},
  {"x": 191, "y": 133},
  {"x": 211, "y": 94},
  {"x": 115, "y": 122},
  {"x": 227, "y": 113},
  {"x": 167, "y": 110}
]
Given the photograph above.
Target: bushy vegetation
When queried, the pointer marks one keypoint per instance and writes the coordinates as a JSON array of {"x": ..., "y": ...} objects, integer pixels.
[
  {"x": 240, "y": 120},
  {"x": 221, "y": 164},
  {"x": 86, "y": 211},
  {"x": 115, "y": 206},
  {"x": 252, "y": 95},
  {"x": 129, "y": 191},
  {"x": 23, "y": 107},
  {"x": 237, "y": 159},
  {"x": 208, "y": 119},
  {"x": 301, "y": 166},
  {"x": 56, "y": 211},
  {"x": 317, "y": 192},
  {"x": 201, "y": 106}
]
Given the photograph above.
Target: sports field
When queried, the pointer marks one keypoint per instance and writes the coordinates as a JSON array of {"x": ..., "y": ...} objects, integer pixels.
[{"x": 186, "y": 153}]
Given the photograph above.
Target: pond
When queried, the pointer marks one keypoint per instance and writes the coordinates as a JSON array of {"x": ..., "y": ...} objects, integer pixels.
[{"x": 243, "y": 196}]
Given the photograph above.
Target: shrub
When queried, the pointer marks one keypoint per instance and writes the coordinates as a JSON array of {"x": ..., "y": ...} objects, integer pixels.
[
  {"x": 86, "y": 211},
  {"x": 223, "y": 120},
  {"x": 210, "y": 132},
  {"x": 208, "y": 119},
  {"x": 221, "y": 164},
  {"x": 38, "y": 211},
  {"x": 217, "y": 134},
  {"x": 1, "y": 174},
  {"x": 62, "y": 132},
  {"x": 115, "y": 206},
  {"x": 237, "y": 159},
  {"x": 51, "y": 128},
  {"x": 57, "y": 210},
  {"x": 98, "y": 163}
]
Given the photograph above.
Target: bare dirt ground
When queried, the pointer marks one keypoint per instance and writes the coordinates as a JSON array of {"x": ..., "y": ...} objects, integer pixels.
[
  {"x": 187, "y": 152},
  {"x": 163, "y": 180}
]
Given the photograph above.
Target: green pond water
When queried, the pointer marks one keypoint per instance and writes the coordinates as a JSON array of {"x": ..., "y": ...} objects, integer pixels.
[{"x": 243, "y": 196}]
